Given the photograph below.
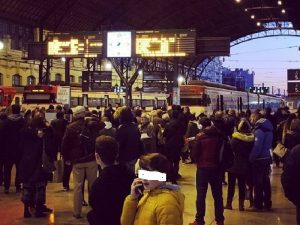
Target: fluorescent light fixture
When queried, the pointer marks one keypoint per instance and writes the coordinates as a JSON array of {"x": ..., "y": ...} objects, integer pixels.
[
  {"x": 279, "y": 2},
  {"x": 253, "y": 16},
  {"x": 258, "y": 24},
  {"x": 283, "y": 11}
]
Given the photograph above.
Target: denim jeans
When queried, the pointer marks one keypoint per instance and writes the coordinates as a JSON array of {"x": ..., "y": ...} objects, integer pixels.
[
  {"x": 261, "y": 183},
  {"x": 213, "y": 177}
]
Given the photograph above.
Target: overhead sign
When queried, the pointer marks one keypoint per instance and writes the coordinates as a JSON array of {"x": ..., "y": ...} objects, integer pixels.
[
  {"x": 74, "y": 45},
  {"x": 293, "y": 74},
  {"x": 293, "y": 88},
  {"x": 119, "y": 44},
  {"x": 158, "y": 81},
  {"x": 165, "y": 43},
  {"x": 96, "y": 81},
  {"x": 63, "y": 95}
]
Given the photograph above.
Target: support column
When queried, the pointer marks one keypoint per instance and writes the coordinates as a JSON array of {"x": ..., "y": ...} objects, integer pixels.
[{"x": 67, "y": 72}]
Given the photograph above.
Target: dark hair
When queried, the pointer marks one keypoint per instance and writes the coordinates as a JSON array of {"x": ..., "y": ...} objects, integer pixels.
[
  {"x": 126, "y": 115},
  {"x": 205, "y": 122},
  {"x": 59, "y": 115},
  {"x": 155, "y": 162},
  {"x": 51, "y": 107},
  {"x": 15, "y": 109},
  {"x": 59, "y": 108},
  {"x": 107, "y": 148}
]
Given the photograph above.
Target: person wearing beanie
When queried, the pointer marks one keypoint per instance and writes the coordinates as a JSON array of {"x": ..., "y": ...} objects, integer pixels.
[{"x": 241, "y": 143}]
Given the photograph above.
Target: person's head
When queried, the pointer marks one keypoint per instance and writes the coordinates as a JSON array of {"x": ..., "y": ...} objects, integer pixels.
[
  {"x": 255, "y": 117},
  {"x": 295, "y": 125},
  {"x": 159, "y": 113},
  {"x": 126, "y": 115},
  {"x": 59, "y": 115},
  {"x": 205, "y": 122},
  {"x": 154, "y": 162},
  {"x": 15, "y": 109},
  {"x": 51, "y": 107},
  {"x": 244, "y": 126},
  {"x": 59, "y": 108},
  {"x": 79, "y": 112},
  {"x": 145, "y": 119},
  {"x": 106, "y": 150},
  {"x": 186, "y": 109}
]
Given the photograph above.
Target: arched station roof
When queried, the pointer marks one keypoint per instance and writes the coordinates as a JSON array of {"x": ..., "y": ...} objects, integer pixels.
[{"x": 208, "y": 17}]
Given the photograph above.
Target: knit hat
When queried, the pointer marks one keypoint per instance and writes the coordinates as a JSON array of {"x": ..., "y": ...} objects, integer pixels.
[{"x": 79, "y": 111}]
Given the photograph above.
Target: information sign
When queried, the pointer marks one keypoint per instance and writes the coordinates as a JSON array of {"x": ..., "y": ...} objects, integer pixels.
[
  {"x": 294, "y": 88},
  {"x": 96, "y": 81},
  {"x": 63, "y": 95},
  {"x": 293, "y": 74}
]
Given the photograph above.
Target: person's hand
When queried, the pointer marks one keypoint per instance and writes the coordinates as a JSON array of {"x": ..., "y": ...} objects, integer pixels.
[{"x": 134, "y": 193}]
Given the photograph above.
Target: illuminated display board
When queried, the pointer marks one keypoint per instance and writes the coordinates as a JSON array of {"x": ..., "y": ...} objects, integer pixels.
[
  {"x": 165, "y": 43},
  {"x": 119, "y": 44},
  {"x": 74, "y": 45}
]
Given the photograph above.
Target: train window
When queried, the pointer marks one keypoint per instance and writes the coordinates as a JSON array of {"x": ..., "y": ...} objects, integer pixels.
[
  {"x": 206, "y": 100},
  {"x": 16, "y": 80}
]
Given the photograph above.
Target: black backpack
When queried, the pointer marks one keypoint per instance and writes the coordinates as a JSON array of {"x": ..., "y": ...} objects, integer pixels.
[{"x": 87, "y": 141}]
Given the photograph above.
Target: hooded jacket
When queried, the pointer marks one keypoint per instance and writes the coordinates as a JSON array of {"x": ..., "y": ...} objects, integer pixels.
[
  {"x": 206, "y": 150},
  {"x": 157, "y": 207},
  {"x": 263, "y": 132},
  {"x": 241, "y": 145}
]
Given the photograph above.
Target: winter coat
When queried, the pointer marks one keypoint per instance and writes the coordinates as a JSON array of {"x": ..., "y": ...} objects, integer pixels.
[
  {"x": 241, "y": 145},
  {"x": 12, "y": 134},
  {"x": 174, "y": 138},
  {"x": 112, "y": 186},
  {"x": 290, "y": 178},
  {"x": 292, "y": 139},
  {"x": 263, "y": 132},
  {"x": 2, "y": 139},
  {"x": 129, "y": 139},
  {"x": 148, "y": 137},
  {"x": 31, "y": 170},
  {"x": 58, "y": 126},
  {"x": 72, "y": 148},
  {"x": 206, "y": 150},
  {"x": 157, "y": 207}
]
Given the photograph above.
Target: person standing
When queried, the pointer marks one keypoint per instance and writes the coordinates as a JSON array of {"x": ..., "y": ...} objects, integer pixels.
[
  {"x": 111, "y": 187},
  {"x": 290, "y": 178},
  {"x": 3, "y": 118},
  {"x": 206, "y": 153},
  {"x": 260, "y": 158},
  {"x": 241, "y": 144},
  {"x": 12, "y": 150},
  {"x": 77, "y": 152}
]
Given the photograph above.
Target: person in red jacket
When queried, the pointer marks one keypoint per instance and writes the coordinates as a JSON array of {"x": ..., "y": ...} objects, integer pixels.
[{"x": 206, "y": 153}]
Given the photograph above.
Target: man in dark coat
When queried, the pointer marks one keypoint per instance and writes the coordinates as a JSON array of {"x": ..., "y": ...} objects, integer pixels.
[
  {"x": 129, "y": 139},
  {"x": 290, "y": 178},
  {"x": 58, "y": 126},
  {"x": 111, "y": 187},
  {"x": 12, "y": 149}
]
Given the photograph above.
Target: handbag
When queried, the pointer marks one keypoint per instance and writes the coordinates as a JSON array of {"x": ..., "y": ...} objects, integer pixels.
[
  {"x": 280, "y": 150},
  {"x": 47, "y": 164},
  {"x": 58, "y": 173}
]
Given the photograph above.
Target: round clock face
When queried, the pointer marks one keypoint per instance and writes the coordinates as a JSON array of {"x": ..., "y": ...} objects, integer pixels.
[{"x": 119, "y": 44}]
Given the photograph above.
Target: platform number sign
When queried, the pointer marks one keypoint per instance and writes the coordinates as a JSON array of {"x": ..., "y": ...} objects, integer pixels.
[{"x": 293, "y": 74}]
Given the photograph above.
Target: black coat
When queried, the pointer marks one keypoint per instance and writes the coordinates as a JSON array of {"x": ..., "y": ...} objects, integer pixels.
[
  {"x": 2, "y": 132},
  {"x": 12, "y": 134},
  {"x": 290, "y": 178},
  {"x": 241, "y": 145},
  {"x": 129, "y": 139},
  {"x": 108, "y": 194},
  {"x": 31, "y": 162},
  {"x": 58, "y": 126},
  {"x": 292, "y": 139}
]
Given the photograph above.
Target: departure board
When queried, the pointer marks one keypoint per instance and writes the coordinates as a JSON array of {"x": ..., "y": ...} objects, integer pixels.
[
  {"x": 74, "y": 45},
  {"x": 165, "y": 43}
]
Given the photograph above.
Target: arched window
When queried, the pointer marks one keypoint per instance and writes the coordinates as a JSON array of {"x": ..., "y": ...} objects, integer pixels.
[
  {"x": 80, "y": 79},
  {"x": 31, "y": 80},
  {"x": 1, "y": 79},
  {"x": 16, "y": 80},
  {"x": 72, "y": 78},
  {"x": 58, "y": 77}
]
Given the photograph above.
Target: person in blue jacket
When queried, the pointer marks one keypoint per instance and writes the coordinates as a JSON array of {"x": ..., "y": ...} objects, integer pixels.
[{"x": 260, "y": 158}]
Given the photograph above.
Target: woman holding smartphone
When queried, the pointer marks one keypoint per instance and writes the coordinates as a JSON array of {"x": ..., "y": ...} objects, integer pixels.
[{"x": 159, "y": 203}]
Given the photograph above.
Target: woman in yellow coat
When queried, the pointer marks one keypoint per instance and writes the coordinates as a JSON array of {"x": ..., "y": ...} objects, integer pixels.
[{"x": 161, "y": 203}]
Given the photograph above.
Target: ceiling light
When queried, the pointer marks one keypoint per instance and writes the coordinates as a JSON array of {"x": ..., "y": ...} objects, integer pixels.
[
  {"x": 246, "y": 10},
  {"x": 258, "y": 24},
  {"x": 252, "y": 16},
  {"x": 283, "y": 11},
  {"x": 279, "y": 2},
  {"x": 1, "y": 45},
  {"x": 238, "y": 1}
]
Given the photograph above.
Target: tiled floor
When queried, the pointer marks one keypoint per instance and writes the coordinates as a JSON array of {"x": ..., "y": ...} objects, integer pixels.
[{"x": 283, "y": 212}]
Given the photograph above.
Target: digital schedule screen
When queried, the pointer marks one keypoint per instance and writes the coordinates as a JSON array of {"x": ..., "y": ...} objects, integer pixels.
[
  {"x": 165, "y": 43},
  {"x": 74, "y": 45}
]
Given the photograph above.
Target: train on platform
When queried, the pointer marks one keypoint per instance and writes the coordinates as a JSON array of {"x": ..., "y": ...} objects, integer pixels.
[{"x": 203, "y": 96}]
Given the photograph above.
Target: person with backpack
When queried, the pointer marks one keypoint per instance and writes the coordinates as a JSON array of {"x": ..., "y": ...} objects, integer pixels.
[{"x": 78, "y": 148}]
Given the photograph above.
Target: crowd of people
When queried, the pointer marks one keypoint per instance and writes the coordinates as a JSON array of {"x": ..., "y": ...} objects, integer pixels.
[{"x": 107, "y": 149}]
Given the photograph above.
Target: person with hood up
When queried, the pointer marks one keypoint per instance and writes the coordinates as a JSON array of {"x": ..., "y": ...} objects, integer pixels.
[
  {"x": 206, "y": 153},
  {"x": 160, "y": 203},
  {"x": 12, "y": 149},
  {"x": 260, "y": 158},
  {"x": 241, "y": 144}
]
